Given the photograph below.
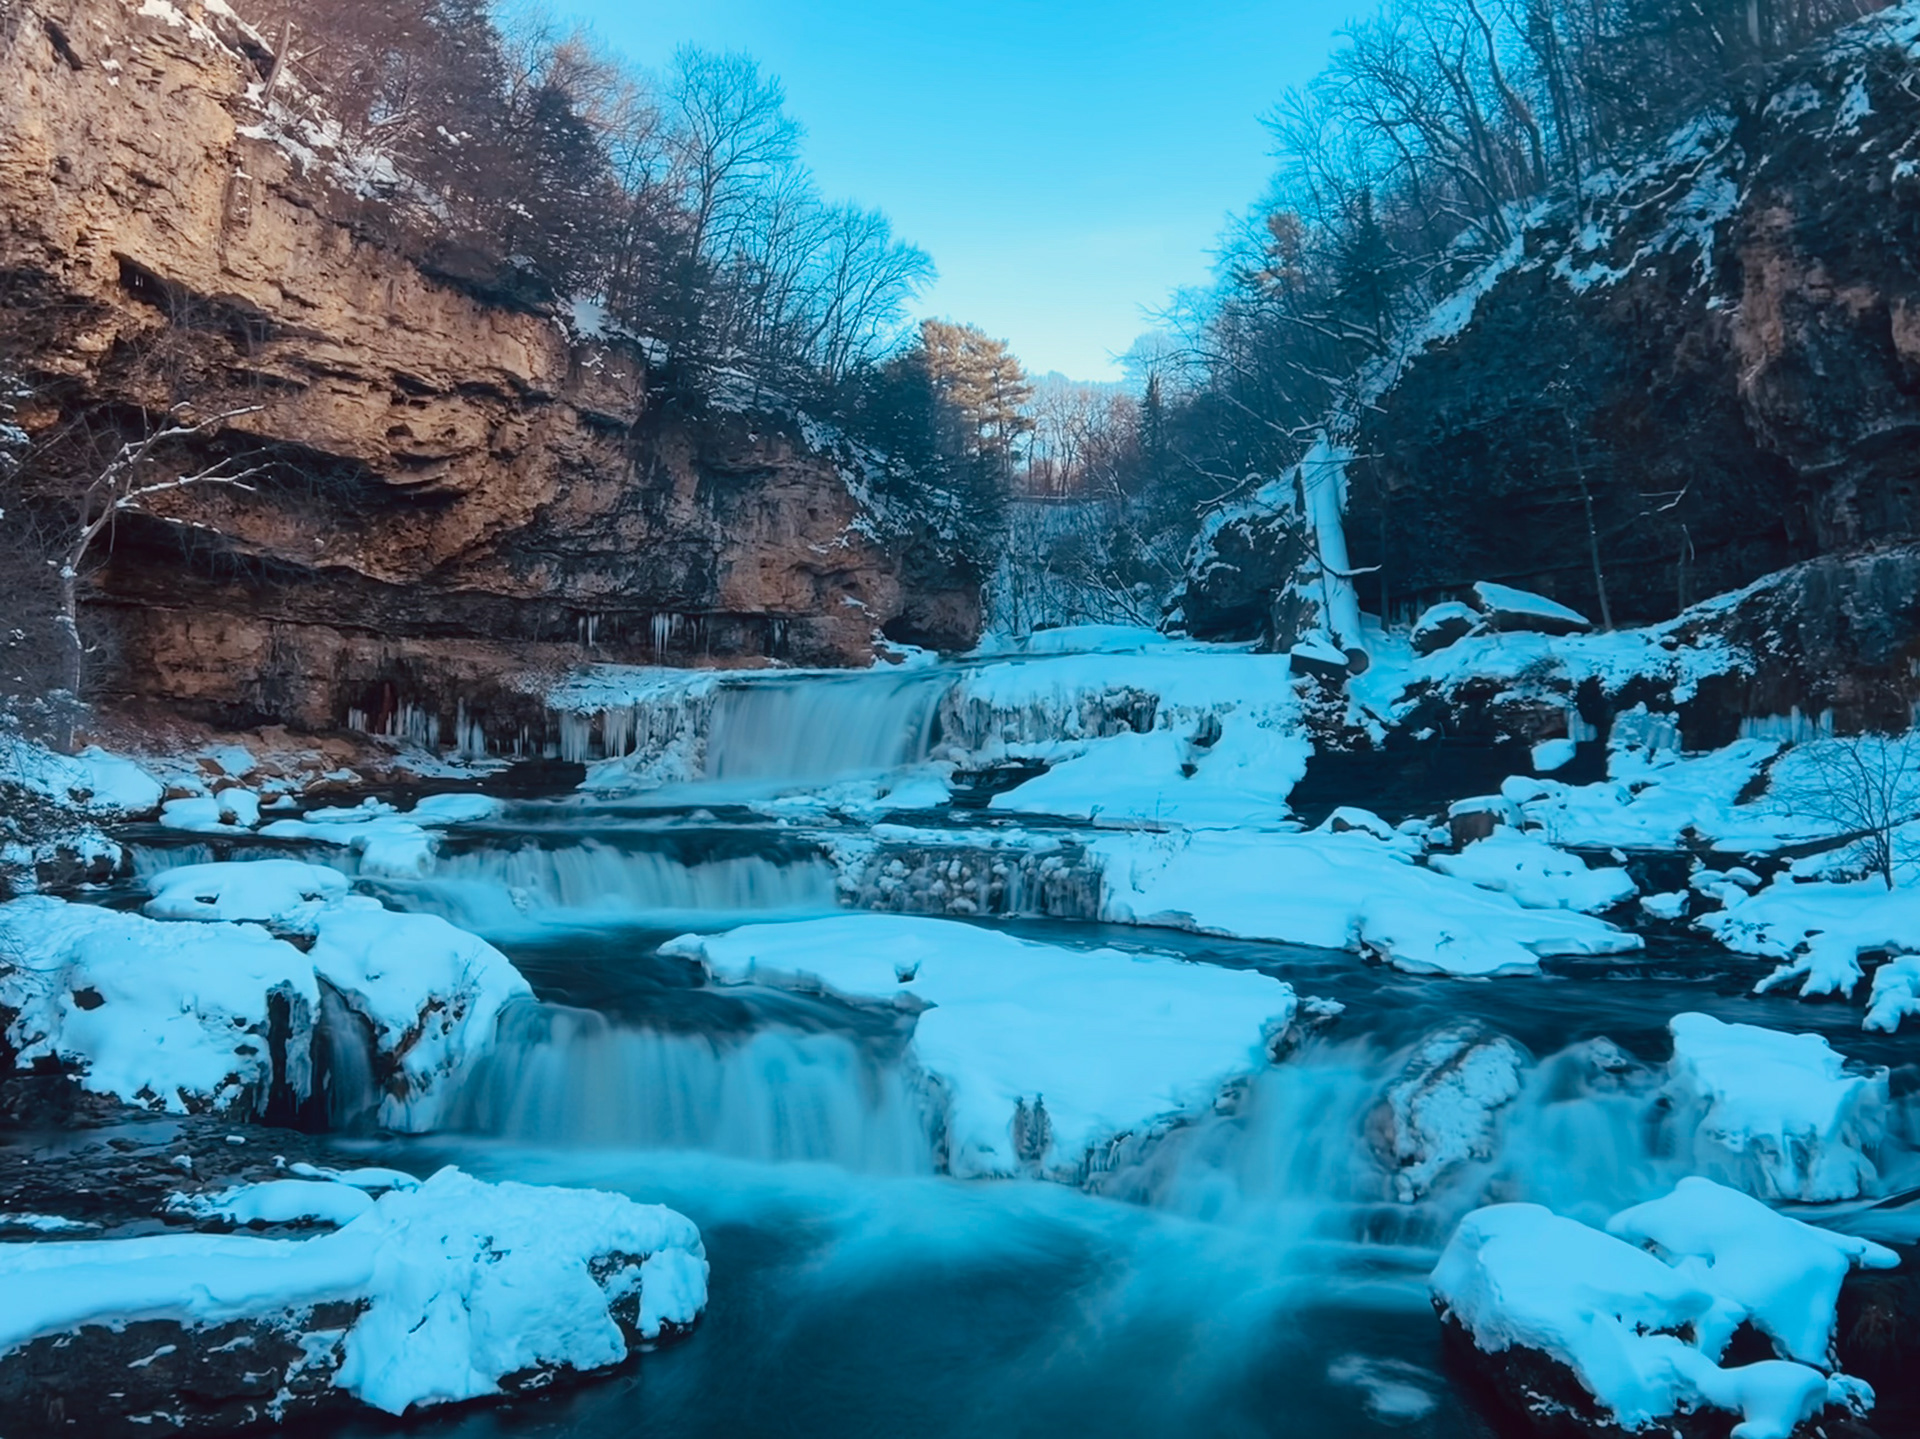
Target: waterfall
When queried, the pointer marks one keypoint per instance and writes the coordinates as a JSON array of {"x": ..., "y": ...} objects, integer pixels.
[
  {"x": 574, "y": 1077},
  {"x": 494, "y": 889},
  {"x": 817, "y": 730}
]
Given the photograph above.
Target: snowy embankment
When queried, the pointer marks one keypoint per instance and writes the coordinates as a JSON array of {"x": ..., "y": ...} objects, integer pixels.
[
  {"x": 184, "y": 1016},
  {"x": 432, "y": 1293},
  {"x": 1634, "y": 1320},
  {"x": 1339, "y": 890},
  {"x": 1042, "y": 1055}
]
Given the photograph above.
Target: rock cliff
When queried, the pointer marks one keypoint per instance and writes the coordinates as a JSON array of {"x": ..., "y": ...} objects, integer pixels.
[
  {"x": 464, "y": 485},
  {"x": 1700, "y": 369}
]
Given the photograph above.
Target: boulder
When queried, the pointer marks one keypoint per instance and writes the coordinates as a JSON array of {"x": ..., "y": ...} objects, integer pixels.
[
  {"x": 1506, "y": 608},
  {"x": 1440, "y": 625}
]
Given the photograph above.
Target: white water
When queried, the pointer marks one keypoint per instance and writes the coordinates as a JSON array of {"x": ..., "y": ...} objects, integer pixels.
[
  {"x": 818, "y": 731},
  {"x": 497, "y": 890},
  {"x": 573, "y": 1077}
]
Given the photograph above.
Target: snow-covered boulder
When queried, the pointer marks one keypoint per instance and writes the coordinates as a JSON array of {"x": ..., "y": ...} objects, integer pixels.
[
  {"x": 283, "y": 893},
  {"x": 1445, "y": 1108},
  {"x": 432, "y": 1294},
  {"x": 1537, "y": 875},
  {"x": 187, "y": 1017},
  {"x": 1440, "y": 625},
  {"x": 1777, "y": 1115},
  {"x": 1042, "y": 1055},
  {"x": 1506, "y": 608},
  {"x": 1570, "y": 1323}
]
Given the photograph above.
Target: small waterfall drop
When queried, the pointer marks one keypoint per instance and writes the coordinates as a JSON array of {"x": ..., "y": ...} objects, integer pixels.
[
  {"x": 573, "y": 1077},
  {"x": 815, "y": 731}
]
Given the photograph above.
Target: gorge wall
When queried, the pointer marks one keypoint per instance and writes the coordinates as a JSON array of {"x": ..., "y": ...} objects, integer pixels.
[
  {"x": 1704, "y": 365},
  {"x": 463, "y": 488}
]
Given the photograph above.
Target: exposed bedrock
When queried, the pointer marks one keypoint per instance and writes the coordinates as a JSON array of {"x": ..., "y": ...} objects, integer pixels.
[{"x": 464, "y": 488}]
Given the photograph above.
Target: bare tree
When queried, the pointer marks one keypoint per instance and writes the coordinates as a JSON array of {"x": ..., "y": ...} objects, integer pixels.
[
  {"x": 133, "y": 478},
  {"x": 1866, "y": 785}
]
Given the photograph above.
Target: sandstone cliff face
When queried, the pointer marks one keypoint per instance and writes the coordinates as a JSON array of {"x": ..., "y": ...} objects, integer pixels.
[{"x": 464, "y": 491}]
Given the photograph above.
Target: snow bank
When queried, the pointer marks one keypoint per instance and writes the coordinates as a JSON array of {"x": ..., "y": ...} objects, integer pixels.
[
  {"x": 1537, "y": 875},
  {"x": 1819, "y": 930},
  {"x": 281, "y": 892},
  {"x": 1044, "y": 1053},
  {"x": 460, "y": 1284},
  {"x": 102, "y": 784},
  {"x": 178, "y": 1015},
  {"x": 1517, "y": 1276},
  {"x": 1236, "y": 773},
  {"x": 1343, "y": 890},
  {"x": 1778, "y": 1115},
  {"x": 277, "y": 1201}
]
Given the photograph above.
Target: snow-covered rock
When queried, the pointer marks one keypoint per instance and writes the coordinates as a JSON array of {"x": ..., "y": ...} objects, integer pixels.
[
  {"x": 1778, "y": 1274},
  {"x": 1778, "y": 1115},
  {"x": 1043, "y": 1054},
  {"x": 1896, "y": 993},
  {"x": 1631, "y": 1341},
  {"x": 451, "y": 1290},
  {"x": 284, "y": 893},
  {"x": 1507, "y": 608},
  {"x": 1537, "y": 875},
  {"x": 1440, "y": 625},
  {"x": 181, "y": 1016},
  {"x": 1337, "y": 891},
  {"x": 1445, "y": 1109}
]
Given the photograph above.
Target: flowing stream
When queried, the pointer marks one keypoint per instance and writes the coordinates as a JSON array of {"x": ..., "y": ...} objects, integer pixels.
[{"x": 1260, "y": 1271}]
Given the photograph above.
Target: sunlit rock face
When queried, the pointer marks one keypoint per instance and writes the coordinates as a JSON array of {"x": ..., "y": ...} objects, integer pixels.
[{"x": 470, "y": 484}]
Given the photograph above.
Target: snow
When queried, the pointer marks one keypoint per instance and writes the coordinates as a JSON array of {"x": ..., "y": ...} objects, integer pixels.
[
  {"x": 100, "y": 783},
  {"x": 1446, "y": 1108},
  {"x": 1669, "y": 906},
  {"x": 463, "y": 1282},
  {"x": 1108, "y": 1043},
  {"x": 1553, "y": 754},
  {"x": 455, "y": 809},
  {"x": 169, "y": 1014},
  {"x": 1536, "y": 874},
  {"x": 284, "y": 893},
  {"x": 387, "y": 845},
  {"x": 1343, "y": 890},
  {"x": 430, "y": 992},
  {"x": 1242, "y": 778},
  {"x": 1520, "y": 1275},
  {"x": 1508, "y": 602},
  {"x": 278, "y": 1201},
  {"x": 1818, "y": 930},
  {"x": 1777, "y": 1114},
  {"x": 1781, "y": 1275},
  {"x": 1896, "y": 993},
  {"x": 176, "y": 1015}
]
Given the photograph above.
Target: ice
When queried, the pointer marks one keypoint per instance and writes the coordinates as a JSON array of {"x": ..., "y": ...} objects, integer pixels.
[
  {"x": 1776, "y": 1114},
  {"x": 1536, "y": 874},
  {"x": 284, "y": 893},
  {"x": 1343, "y": 890},
  {"x": 1107, "y": 1043},
  {"x": 1553, "y": 754},
  {"x": 463, "y": 1283},
  {"x": 1445, "y": 1110}
]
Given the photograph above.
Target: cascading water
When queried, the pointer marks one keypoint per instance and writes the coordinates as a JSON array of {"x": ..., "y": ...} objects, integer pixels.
[
  {"x": 573, "y": 1077},
  {"x": 816, "y": 731}
]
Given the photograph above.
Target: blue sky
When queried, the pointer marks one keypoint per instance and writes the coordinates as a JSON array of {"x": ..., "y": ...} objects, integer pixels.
[{"x": 1066, "y": 163}]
